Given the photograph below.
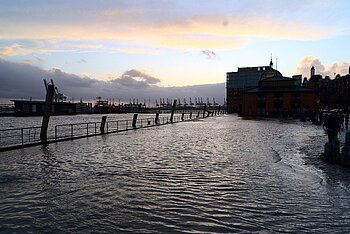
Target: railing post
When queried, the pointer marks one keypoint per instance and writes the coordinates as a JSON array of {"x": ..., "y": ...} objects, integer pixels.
[
  {"x": 157, "y": 118},
  {"x": 173, "y": 111},
  {"x": 182, "y": 116},
  {"x": 22, "y": 136},
  {"x": 55, "y": 132},
  {"x": 134, "y": 119},
  {"x": 191, "y": 115},
  {"x": 219, "y": 109},
  {"x": 204, "y": 110},
  {"x": 103, "y": 123}
]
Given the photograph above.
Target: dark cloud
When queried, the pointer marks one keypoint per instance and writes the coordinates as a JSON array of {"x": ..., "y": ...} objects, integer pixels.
[
  {"x": 20, "y": 80},
  {"x": 209, "y": 54},
  {"x": 136, "y": 74}
]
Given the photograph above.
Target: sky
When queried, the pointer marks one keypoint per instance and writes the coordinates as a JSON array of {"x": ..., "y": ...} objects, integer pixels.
[{"x": 147, "y": 44}]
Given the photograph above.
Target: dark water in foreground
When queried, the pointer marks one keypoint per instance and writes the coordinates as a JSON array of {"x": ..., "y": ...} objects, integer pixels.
[{"x": 221, "y": 174}]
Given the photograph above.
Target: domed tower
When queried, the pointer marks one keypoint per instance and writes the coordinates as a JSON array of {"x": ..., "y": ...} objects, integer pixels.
[{"x": 312, "y": 71}]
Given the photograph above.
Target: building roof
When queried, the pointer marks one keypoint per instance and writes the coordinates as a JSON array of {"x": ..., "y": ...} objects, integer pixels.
[
  {"x": 278, "y": 78},
  {"x": 294, "y": 89}
]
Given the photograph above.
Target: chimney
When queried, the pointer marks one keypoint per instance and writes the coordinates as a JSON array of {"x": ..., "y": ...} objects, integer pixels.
[{"x": 312, "y": 71}]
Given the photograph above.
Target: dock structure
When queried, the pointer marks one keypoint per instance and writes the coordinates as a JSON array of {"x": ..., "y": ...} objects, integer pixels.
[{"x": 16, "y": 138}]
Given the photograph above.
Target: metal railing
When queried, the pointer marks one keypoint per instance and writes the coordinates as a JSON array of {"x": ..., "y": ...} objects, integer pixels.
[{"x": 20, "y": 137}]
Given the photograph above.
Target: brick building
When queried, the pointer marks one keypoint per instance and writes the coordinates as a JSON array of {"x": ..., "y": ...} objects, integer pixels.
[
  {"x": 245, "y": 78},
  {"x": 278, "y": 96}
]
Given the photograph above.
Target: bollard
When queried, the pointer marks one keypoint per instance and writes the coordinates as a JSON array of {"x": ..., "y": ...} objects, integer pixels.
[
  {"x": 103, "y": 124},
  {"x": 173, "y": 111},
  {"x": 182, "y": 116},
  {"x": 191, "y": 115},
  {"x": 156, "y": 120},
  {"x": 47, "y": 112},
  {"x": 134, "y": 120}
]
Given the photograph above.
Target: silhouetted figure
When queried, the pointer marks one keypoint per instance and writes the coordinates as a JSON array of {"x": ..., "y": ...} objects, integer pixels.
[{"x": 333, "y": 127}]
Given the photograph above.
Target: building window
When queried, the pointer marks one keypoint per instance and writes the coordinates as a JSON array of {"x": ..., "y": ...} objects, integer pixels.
[
  {"x": 260, "y": 105},
  {"x": 295, "y": 103},
  {"x": 277, "y": 104}
]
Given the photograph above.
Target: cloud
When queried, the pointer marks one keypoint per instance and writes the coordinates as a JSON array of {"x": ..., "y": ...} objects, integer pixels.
[
  {"x": 13, "y": 50},
  {"x": 137, "y": 51},
  {"x": 178, "y": 24},
  {"x": 209, "y": 54},
  {"x": 34, "y": 47},
  {"x": 83, "y": 60},
  {"x": 38, "y": 59},
  {"x": 305, "y": 64},
  {"x": 139, "y": 75},
  {"x": 20, "y": 80},
  {"x": 27, "y": 61}
]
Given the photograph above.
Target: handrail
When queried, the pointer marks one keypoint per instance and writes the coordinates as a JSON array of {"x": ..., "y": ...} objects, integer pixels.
[{"x": 26, "y": 136}]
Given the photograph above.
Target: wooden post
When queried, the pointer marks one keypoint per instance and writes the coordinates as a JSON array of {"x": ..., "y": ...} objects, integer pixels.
[
  {"x": 219, "y": 109},
  {"x": 173, "y": 111},
  {"x": 182, "y": 116},
  {"x": 103, "y": 123},
  {"x": 47, "y": 112},
  {"x": 198, "y": 114},
  {"x": 134, "y": 120},
  {"x": 204, "y": 110},
  {"x": 157, "y": 118},
  {"x": 191, "y": 115}
]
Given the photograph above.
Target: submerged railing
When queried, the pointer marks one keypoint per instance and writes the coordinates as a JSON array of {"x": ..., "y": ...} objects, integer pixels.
[{"x": 29, "y": 136}]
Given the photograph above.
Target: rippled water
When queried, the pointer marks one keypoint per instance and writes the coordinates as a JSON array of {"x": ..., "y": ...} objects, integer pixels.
[{"x": 220, "y": 174}]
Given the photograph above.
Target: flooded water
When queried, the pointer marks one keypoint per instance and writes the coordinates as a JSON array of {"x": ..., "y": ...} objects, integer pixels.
[{"x": 215, "y": 175}]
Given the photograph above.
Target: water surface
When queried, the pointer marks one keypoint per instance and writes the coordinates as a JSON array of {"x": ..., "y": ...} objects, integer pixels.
[{"x": 220, "y": 174}]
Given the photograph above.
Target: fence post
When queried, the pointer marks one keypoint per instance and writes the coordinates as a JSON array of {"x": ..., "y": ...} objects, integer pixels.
[
  {"x": 219, "y": 109},
  {"x": 22, "y": 136},
  {"x": 182, "y": 116},
  {"x": 103, "y": 123},
  {"x": 172, "y": 111},
  {"x": 47, "y": 112},
  {"x": 191, "y": 115},
  {"x": 134, "y": 119},
  {"x": 157, "y": 118},
  {"x": 204, "y": 110}
]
